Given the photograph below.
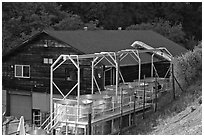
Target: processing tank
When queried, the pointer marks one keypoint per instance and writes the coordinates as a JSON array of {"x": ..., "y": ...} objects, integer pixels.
[
  {"x": 67, "y": 109},
  {"x": 101, "y": 103}
]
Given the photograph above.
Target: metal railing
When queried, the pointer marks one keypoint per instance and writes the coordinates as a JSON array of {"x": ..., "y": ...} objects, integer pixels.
[
  {"x": 47, "y": 122},
  {"x": 66, "y": 113}
]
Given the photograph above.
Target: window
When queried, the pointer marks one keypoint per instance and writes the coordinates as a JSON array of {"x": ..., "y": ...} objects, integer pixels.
[
  {"x": 22, "y": 71},
  {"x": 50, "y": 61},
  {"x": 47, "y": 60}
]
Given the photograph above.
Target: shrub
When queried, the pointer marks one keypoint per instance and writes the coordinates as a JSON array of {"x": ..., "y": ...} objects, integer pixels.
[{"x": 188, "y": 67}]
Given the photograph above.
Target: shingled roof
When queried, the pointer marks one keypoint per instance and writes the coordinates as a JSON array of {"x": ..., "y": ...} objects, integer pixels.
[
  {"x": 87, "y": 42},
  {"x": 114, "y": 40}
]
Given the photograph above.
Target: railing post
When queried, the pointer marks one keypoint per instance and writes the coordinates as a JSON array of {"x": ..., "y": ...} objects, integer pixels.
[{"x": 135, "y": 94}]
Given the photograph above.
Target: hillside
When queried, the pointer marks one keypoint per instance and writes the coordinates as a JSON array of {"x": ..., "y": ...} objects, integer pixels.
[
  {"x": 187, "y": 122},
  {"x": 182, "y": 116}
]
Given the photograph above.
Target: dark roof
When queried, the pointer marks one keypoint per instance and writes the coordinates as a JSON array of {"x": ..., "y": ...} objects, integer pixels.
[
  {"x": 109, "y": 40},
  {"x": 114, "y": 40}
]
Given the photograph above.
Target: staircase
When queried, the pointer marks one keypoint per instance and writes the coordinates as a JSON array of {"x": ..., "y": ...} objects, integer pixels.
[{"x": 49, "y": 124}]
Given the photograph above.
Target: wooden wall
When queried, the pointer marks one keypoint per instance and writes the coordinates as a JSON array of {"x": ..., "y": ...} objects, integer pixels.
[
  {"x": 32, "y": 54},
  {"x": 131, "y": 73}
]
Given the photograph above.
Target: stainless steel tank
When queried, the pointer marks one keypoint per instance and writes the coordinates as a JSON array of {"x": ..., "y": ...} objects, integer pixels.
[
  {"x": 101, "y": 102},
  {"x": 37, "y": 132},
  {"x": 68, "y": 109}
]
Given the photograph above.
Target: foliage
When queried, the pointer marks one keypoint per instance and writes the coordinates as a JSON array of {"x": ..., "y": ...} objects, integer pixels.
[
  {"x": 123, "y": 14},
  {"x": 188, "y": 67},
  {"x": 71, "y": 22},
  {"x": 21, "y": 19},
  {"x": 173, "y": 32}
]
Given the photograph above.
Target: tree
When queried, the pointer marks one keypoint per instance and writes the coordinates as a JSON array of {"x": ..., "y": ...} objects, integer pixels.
[
  {"x": 114, "y": 15},
  {"x": 71, "y": 22},
  {"x": 21, "y": 20},
  {"x": 165, "y": 28}
]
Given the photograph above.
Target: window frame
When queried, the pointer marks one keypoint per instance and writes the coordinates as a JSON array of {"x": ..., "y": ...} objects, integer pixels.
[
  {"x": 45, "y": 60},
  {"x": 49, "y": 60},
  {"x": 22, "y": 71}
]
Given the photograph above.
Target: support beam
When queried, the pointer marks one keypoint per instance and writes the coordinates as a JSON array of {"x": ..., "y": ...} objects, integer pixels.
[
  {"x": 70, "y": 91},
  {"x": 121, "y": 76},
  {"x": 92, "y": 77},
  {"x": 58, "y": 89},
  {"x": 167, "y": 71},
  {"x": 92, "y": 72},
  {"x": 55, "y": 62},
  {"x": 59, "y": 65},
  {"x": 78, "y": 93},
  {"x": 122, "y": 57},
  {"x": 117, "y": 73},
  {"x": 139, "y": 75},
  {"x": 97, "y": 85},
  {"x": 112, "y": 57},
  {"x": 97, "y": 61},
  {"x": 109, "y": 61},
  {"x": 152, "y": 65},
  {"x": 134, "y": 57},
  {"x": 51, "y": 95},
  {"x": 155, "y": 71},
  {"x": 76, "y": 65}
]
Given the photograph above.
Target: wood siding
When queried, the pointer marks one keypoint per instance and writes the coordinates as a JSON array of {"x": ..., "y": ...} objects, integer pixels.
[{"x": 33, "y": 54}]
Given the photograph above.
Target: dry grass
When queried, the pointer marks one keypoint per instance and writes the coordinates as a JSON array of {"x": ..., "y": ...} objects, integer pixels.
[{"x": 174, "y": 116}]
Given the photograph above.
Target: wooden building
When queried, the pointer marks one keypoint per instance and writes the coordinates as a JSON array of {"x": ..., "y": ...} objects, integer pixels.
[{"x": 26, "y": 68}]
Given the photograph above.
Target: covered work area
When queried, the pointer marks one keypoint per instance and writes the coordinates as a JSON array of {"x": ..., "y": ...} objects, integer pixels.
[{"x": 110, "y": 110}]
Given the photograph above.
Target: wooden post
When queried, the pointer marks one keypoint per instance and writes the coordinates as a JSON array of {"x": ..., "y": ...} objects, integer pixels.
[
  {"x": 129, "y": 123},
  {"x": 156, "y": 88},
  {"x": 112, "y": 125},
  {"x": 89, "y": 120},
  {"x": 173, "y": 82},
  {"x": 89, "y": 124},
  {"x": 143, "y": 116},
  {"x": 135, "y": 94}
]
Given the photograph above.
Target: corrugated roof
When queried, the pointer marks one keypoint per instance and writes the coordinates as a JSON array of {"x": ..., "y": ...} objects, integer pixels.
[{"x": 114, "y": 40}]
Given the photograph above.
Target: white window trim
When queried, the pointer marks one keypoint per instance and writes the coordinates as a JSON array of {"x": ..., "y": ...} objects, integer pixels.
[
  {"x": 22, "y": 71},
  {"x": 48, "y": 60},
  {"x": 45, "y": 61}
]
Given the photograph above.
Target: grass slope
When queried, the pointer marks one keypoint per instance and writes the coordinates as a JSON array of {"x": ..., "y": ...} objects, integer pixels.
[{"x": 182, "y": 116}]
